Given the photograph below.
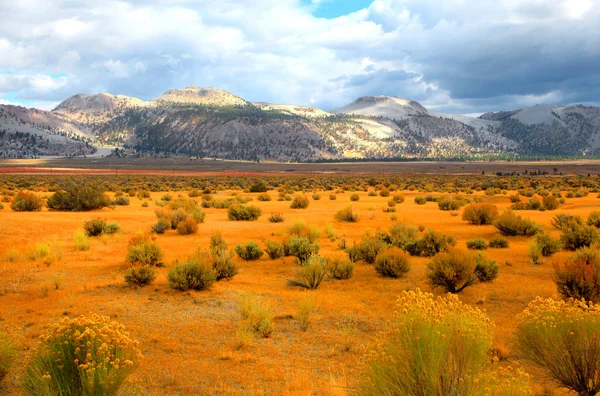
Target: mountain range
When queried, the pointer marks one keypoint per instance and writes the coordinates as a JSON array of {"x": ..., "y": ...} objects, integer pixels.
[{"x": 210, "y": 122}]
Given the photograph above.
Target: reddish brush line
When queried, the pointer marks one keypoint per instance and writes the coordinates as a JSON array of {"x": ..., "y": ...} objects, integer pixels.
[{"x": 87, "y": 171}]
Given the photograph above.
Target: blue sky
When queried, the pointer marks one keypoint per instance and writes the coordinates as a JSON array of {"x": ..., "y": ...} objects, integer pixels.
[{"x": 459, "y": 56}]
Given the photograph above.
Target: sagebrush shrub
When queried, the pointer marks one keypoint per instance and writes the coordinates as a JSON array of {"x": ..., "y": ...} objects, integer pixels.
[
  {"x": 121, "y": 201},
  {"x": 480, "y": 213},
  {"x": 144, "y": 251},
  {"x": 368, "y": 249},
  {"x": 94, "y": 227},
  {"x": 25, "y": 201},
  {"x": 87, "y": 355},
  {"x": 301, "y": 248},
  {"x": 194, "y": 274},
  {"x": 276, "y": 218},
  {"x": 431, "y": 347},
  {"x": 455, "y": 270},
  {"x": 354, "y": 197},
  {"x": 563, "y": 220},
  {"x": 161, "y": 226},
  {"x": 431, "y": 243},
  {"x": 420, "y": 200},
  {"x": 594, "y": 219},
  {"x": 476, "y": 244},
  {"x": 275, "y": 249},
  {"x": 339, "y": 268},
  {"x": 579, "y": 278},
  {"x": 347, "y": 214},
  {"x": 550, "y": 202},
  {"x": 562, "y": 338},
  {"x": 299, "y": 202},
  {"x": 512, "y": 225},
  {"x": 187, "y": 226},
  {"x": 217, "y": 243},
  {"x": 311, "y": 274},
  {"x": 546, "y": 244},
  {"x": 264, "y": 197},
  {"x": 223, "y": 264},
  {"x": 243, "y": 213},
  {"x": 402, "y": 235},
  {"x": 575, "y": 235},
  {"x": 300, "y": 229},
  {"x": 448, "y": 204},
  {"x": 392, "y": 263},
  {"x": 140, "y": 275},
  {"x": 78, "y": 197},
  {"x": 250, "y": 251},
  {"x": 498, "y": 243}
]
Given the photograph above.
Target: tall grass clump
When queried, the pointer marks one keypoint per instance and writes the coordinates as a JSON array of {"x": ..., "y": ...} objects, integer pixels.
[
  {"x": 455, "y": 270},
  {"x": 81, "y": 241},
  {"x": 480, "y": 213},
  {"x": 347, "y": 215},
  {"x": 305, "y": 311},
  {"x": 87, "y": 355},
  {"x": 7, "y": 354},
  {"x": 311, "y": 274},
  {"x": 299, "y": 229},
  {"x": 25, "y": 201},
  {"x": 512, "y": 225},
  {"x": 562, "y": 338},
  {"x": 431, "y": 347},
  {"x": 257, "y": 315}
]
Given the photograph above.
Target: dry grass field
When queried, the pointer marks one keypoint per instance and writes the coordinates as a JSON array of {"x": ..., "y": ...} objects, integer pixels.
[{"x": 190, "y": 340}]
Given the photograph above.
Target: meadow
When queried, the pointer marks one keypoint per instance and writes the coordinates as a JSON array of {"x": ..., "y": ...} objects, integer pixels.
[{"x": 303, "y": 340}]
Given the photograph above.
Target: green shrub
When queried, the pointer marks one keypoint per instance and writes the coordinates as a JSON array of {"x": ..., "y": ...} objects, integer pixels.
[
  {"x": 594, "y": 219},
  {"x": 217, "y": 243},
  {"x": 275, "y": 249},
  {"x": 384, "y": 192},
  {"x": 311, "y": 274},
  {"x": 194, "y": 274},
  {"x": 264, "y": 197},
  {"x": 259, "y": 186},
  {"x": 332, "y": 197},
  {"x": 562, "y": 338},
  {"x": 161, "y": 226},
  {"x": 94, "y": 227},
  {"x": 450, "y": 204},
  {"x": 402, "y": 235},
  {"x": 276, "y": 218},
  {"x": 420, "y": 200},
  {"x": 512, "y": 225},
  {"x": 78, "y": 197},
  {"x": 143, "y": 251},
  {"x": 535, "y": 253},
  {"x": 111, "y": 228},
  {"x": 392, "y": 263},
  {"x": 354, "y": 197},
  {"x": 560, "y": 221},
  {"x": 547, "y": 246},
  {"x": 25, "y": 201},
  {"x": 498, "y": 243},
  {"x": 301, "y": 248},
  {"x": 347, "y": 214},
  {"x": 300, "y": 229},
  {"x": 140, "y": 275},
  {"x": 104, "y": 356},
  {"x": 398, "y": 198},
  {"x": 243, "y": 213},
  {"x": 121, "y": 201},
  {"x": 257, "y": 315},
  {"x": 7, "y": 354},
  {"x": 579, "y": 278},
  {"x": 430, "y": 244},
  {"x": 339, "y": 268},
  {"x": 455, "y": 270},
  {"x": 430, "y": 347},
  {"x": 575, "y": 236},
  {"x": 299, "y": 202},
  {"x": 316, "y": 197},
  {"x": 187, "y": 227},
  {"x": 368, "y": 249},
  {"x": 251, "y": 251},
  {"x": 550, "y": 202},
  {"x": 223, "y": 265},
  {"x": 477, "y": 244},
  {"x": 480, "y": 213}
]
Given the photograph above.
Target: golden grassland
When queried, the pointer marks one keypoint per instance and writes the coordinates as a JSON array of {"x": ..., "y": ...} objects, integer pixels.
[{"x": 189, "y": 339}]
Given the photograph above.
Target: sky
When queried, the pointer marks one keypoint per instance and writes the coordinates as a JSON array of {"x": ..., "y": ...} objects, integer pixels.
[{"x": 455, "y": 56}]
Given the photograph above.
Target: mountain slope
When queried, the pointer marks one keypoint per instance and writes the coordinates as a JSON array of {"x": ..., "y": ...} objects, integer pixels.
[{"x": 201, "y": 96}]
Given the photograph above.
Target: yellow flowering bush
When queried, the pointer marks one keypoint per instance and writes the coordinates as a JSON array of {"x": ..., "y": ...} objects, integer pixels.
[
  {"x": 87, "y": 355},
  {"x": 432, "y": 346},
  {"x": 563, "y": 338}
]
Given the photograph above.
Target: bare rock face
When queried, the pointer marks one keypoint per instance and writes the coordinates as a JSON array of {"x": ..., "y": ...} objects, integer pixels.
[
  {"x": 202, "y": 96},
  {"x": 383, "y": 106}
]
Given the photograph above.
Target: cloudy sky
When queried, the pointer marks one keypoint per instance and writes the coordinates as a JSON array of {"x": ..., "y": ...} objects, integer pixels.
[{"x": 462, "y": 56}]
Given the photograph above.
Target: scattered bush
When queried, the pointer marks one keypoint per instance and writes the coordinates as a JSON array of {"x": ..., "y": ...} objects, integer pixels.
[
  {"x": 187, "y": 227},
  {"x": 25, "y": 201},
  {"x": 392, "y": 263},
  {"x": 104, "y": 355},
  {"x": 594, "y": 219},
  {"x": 498, "y": 243},
  {"x": 547, "y": 246},
  {"x": 368, "y": 249},
  {"x": 431, "y": 347},
  {"x": 562, "y": 338},
  {"x": 275, "y": 249},
  {"x": 94, "y": 227},
  {"x": 161, "y": 226},
  {"x": 575, "y": 235},
  {"x": 217, "y": 243},
  {"x": 430, "y": 244},
  {"x": 276, "y": 218},
  {"x": 316, "y": 197},
  {"x": 354, "y": 197},
  {"x": 398, "y": 198},
  {"x": 332, "y": 197},
  {"x": 347, "y": 214},
  {"x": 299, "y": 202},
  {"x": 480, "y": 213},
  {"x": 144, "y": 251},
  {"x": 301, "y": 229},
  {"x": 402, "y": 235},
  {"x": 420, "y": 200},
  {"x": 311, "y": 274},
  {"x": 223, "y": 264},
  {"x": 301, "y": 248},
  {"x": 121, "y": 201},
  {"x": 251, "y": 251},
  {"x": 550, "y": 202},
  {"x": 450, "y": 204},
  {"x": 563, "y": 220},
  {"x": 455, "y": 270},
  {"x": 243, "y": 213},
  {"x": 579, "y": 277},
  {"x": 264, "y": 197},
  {"x": 512, "y": 225},
  {"x": 194, "y": 274},
  {"x": 257, "y": 316},
  {"x": 477, "y": 244},
  {"x": 78, "y": 197},
  {"x": 140, "y": 275},
  {"x": 339, "y": 268}
]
